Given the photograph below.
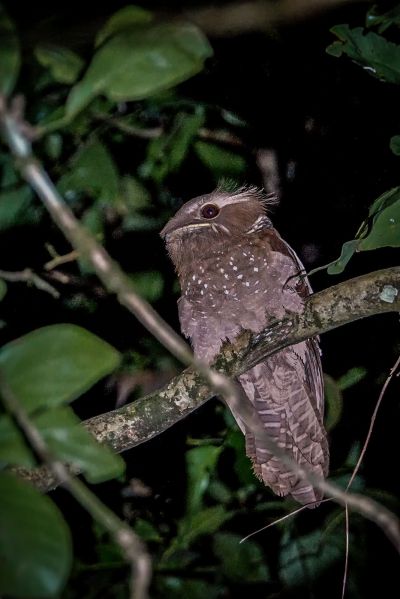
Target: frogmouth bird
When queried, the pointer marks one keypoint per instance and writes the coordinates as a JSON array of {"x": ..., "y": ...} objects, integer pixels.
[{"x": 236, "y": 272}]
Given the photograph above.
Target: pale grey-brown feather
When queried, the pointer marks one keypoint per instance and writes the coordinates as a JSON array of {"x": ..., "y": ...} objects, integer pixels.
[{"x": 243, "y": 280}]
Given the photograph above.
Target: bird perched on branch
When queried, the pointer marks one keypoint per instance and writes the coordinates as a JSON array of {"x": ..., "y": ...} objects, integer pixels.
[{"x": 236, "y": 272}]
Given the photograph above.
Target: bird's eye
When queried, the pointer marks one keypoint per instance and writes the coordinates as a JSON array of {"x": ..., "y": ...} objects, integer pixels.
[{"x": 209, "y": 211}]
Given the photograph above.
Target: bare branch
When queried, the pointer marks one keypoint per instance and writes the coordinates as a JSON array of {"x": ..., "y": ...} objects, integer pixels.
[
  {"x": 28, "y": 276},
  {"x": 131, "y": 545},
  {"x": 257, "y": 15}
]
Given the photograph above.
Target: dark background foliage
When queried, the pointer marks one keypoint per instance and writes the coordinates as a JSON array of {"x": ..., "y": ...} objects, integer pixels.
[{"x": 329, "y": 124}]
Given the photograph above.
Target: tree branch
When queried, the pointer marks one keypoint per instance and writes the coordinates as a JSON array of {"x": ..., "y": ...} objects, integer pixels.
[
  {"x": 383, "y": 294},
  {"x": 149, "y": 416}
]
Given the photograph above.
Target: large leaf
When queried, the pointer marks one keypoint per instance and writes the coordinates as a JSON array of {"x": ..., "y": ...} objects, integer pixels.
[
  {"x": 380, "y": 229},
  {"x": 35, "y": 543},
  {"x": 73, "y": 444},
  {"x": 55, "y": 364},
  {"x": 140, "y": 62},
  {"x": 240, "y": 562},
  {"x": 378, "y": 56},
  {"x": 13, "y": 448},
  {"x": 124, "y": 18},
  {"x": 304, "y": 558},
  {"x": 10, "y": 59},
  {"x": 93, "y": 172},
  {"x": 201, "y": 462},
  {"x": 385, "y": 216}
]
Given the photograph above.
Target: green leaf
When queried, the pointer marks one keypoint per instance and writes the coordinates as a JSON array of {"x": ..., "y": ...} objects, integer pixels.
[
  {"x": 378, "y": 56},
  {"x": 133, "y": 196},
  {"x": 17, "y": 208},
  {"x": 92, "y": 172},
  {"x": 395, "y": 145},
  {"x": 195, "y": 525},
  {"x": 10, "y": 57},
  {"x": 55, "y": 364},
  {"x": 242, "y": 464},
  {"x": 124, "y": 18},
  {"x": 13, "y": 449},
  {"x": 381, "y": 229},
  {"x": 35, "y": 543},
  {"x": 240, "y": 562},
  {"x": 333, "y": 402},
  {"x": 221, "y": 162},
  {"x": 63, "y": 64},
  {"x": 206, "y": 521},
  {"x": 3, "y": 289},
  {"x": 72, "y": 443},
  {"x": 385, "y": 230},
  {"x": 348, "y": 249},
  {"x": 166, "y": 153},
  {"x": 148, "y": 284},
  {"x": 383, "y": 20},
  {"x": 140, "y": 62},
  {"x": 172, "y": 587},
  {"x": 200, "y": 463},
  {"x": 304, "y": 558},
  {"x": 147, "y": 531},
  {"x": 53, "y": 145},
  {"x": 352, "y": 377}
]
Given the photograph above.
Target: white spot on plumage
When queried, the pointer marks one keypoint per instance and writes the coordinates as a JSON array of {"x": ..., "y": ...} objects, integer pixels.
[
  {"x": 240, "y": 276},
  {"x": 235, "y": 268},
  {"x": 255, "y": 269}
]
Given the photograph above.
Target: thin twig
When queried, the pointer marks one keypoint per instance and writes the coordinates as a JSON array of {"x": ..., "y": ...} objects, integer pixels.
[
  {"x": 359, "y": 462},
  {"x": 372, "y": 423},
  {"x": 28, "y": 276},
  {"x": 285, "y": 517},
  {"x": 58, "y": 260},
  {"x": 131, "y": 545},
  {"x": 346, "y": 558}
]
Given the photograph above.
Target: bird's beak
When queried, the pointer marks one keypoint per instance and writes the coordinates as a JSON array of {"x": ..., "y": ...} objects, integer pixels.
[
  {"x": 169, "y": 228},
  {"x": 175, "y": 224}
]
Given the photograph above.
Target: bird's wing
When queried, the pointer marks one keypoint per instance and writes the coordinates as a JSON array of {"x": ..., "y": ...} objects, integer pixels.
[{"x": 285, "y": 390}]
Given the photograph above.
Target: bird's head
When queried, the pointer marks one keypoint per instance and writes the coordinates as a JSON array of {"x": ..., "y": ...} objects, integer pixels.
[
  {"x": 220, "y": 213},
  {"x": 202, "y": 225}
]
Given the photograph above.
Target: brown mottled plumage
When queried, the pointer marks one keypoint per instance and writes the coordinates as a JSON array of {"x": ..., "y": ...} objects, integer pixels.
[{"x": 236, "y": 272}]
